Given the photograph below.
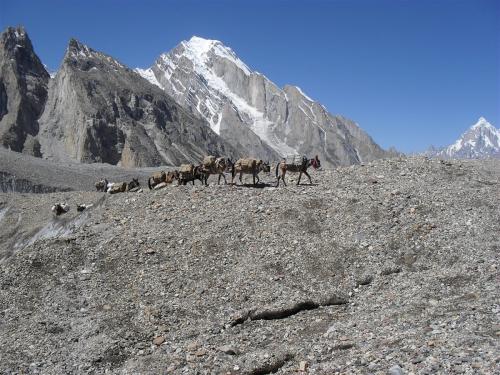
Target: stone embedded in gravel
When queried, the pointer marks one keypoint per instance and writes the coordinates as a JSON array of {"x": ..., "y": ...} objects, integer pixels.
[
  {"x": 395, "y": 370},
  {"x": 365, "y": 280},
  {"x": 201, "y": 352},
  {"x": 158, "y": 340},
  {"x": 228, "y": 349},
  {"x": 303, "y": 365},
  {"x": 343, "y": 345},
  {"x": 192, "y": 346}
]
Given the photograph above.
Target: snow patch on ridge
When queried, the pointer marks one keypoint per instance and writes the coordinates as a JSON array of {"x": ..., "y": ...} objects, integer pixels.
[
  {"x": 302, "y": 93},
  {"x": 199, "y": 48},
  {"x": 149, "y": 75},
  {"x": 199, "y": 52}
]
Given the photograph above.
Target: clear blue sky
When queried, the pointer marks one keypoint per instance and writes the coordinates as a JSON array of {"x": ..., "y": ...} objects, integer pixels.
[{"x": 411, "y": 73}]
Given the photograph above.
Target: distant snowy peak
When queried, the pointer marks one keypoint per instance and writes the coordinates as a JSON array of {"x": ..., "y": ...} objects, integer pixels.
[
  {"x": 481, "y": 140},
  {"x": 482, "y": 123},
  {"x": 199, "y": 50}
]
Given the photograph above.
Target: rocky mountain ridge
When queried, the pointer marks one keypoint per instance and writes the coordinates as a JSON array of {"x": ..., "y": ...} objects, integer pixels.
[
  {"x": 99, "y": 110},
  {"x": 96, "y": 109},
  {"x": 253, "y": 114},
  {"x": 23, "y": 91}
]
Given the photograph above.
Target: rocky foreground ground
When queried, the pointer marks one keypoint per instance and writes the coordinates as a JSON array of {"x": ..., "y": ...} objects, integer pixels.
[{"x": 386, "y": 268}]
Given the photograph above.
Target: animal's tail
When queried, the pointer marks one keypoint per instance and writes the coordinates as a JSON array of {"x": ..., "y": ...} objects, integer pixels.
[
  {"x": 233, "y": 170},
  {"x": 149, "y": 183},
  {"x": 230, "y": 164}
]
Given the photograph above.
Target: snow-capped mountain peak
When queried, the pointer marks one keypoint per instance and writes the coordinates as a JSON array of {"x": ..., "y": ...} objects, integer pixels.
[
  {"x": 482, "y": 123},
  {"x": 252, "y": 113},
  {"x": 481, "y": 140},
  {"x": 198, "y": 49}
]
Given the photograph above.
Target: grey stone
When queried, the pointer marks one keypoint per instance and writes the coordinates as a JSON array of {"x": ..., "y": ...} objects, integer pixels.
[{"x": 395, "y": 370}]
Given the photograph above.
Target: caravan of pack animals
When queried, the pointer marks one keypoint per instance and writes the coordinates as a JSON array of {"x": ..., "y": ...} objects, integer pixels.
[
  {"x": 216, "y": 166},
  {"x": 211, "y": 165}
]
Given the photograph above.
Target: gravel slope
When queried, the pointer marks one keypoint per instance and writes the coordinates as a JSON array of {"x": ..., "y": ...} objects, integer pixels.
[
  {"x": 389, "y": 267},
  {"x": 26, "y": 174}
]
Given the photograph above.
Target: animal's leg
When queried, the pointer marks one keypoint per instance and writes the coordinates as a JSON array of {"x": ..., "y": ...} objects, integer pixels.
[
  {"x": 283, "y": 177},
  {"x": 258, "y": 179},
  {"x": 307, "y": 174},
  {"x": 253, "y": 174},
  {"x": 300, "y": 175},
  {"x": 241, "y": 181}
]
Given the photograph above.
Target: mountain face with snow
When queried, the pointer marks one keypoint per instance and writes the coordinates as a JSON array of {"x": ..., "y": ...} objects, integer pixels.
[
  {"x": 253, "y": 114},
  {"x": 23, "y": 91},
  {"x": 480, "y": 141},
  {"x": 98, "y": 110},
  {"x": 94, "y": 109}
]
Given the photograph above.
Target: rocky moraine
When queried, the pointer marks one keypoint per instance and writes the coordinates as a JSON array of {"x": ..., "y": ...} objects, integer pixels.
[{"x": 388, "y": 267}]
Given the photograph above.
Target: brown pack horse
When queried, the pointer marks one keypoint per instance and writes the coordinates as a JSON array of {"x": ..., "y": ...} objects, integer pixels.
[
  {"x": 249, "y": 166},
  {"x": 102, "y": 185},
  {"x": 283, "y": 167},
  {"x": 159, "y": 177},
  {"x": 122, "y": 187},
  {"x": 218, "y": 167},
  {"x": 194, "y": 172}
]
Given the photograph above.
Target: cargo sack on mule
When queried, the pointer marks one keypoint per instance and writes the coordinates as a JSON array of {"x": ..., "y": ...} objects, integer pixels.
[
  {"x": 186, "y": 169},
  {"x": 247, "y": 164},
  {"x": 208, "y": 161},
  {"x": 297, "y": 160}
]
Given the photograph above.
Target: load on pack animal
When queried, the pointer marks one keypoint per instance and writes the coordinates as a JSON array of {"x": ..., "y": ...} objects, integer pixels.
[
  {"x": 296, "y": 164},
  {"x": 102, "y": 185},
  {"x": 60, "y": 208},
  {"x": 83, "y": 207},
  {"x": 162, "y": 178},
  {"x": 249, "y": 166},
  {"x": 122, "y": 187},
  {"x": 190, "y": 173},
  {"x": 213, "y": 165}
]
